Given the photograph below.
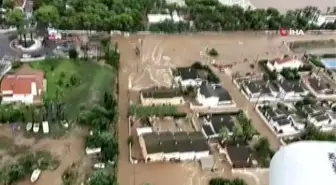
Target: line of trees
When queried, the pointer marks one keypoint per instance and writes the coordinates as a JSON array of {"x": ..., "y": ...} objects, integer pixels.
[
  {"x": 130, "y": 15},
  {"x": 102, "y": 118},
  {"x": 51, "y": 111}
]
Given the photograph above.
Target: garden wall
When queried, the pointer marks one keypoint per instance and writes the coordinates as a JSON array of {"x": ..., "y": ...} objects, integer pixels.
[{"x": 220, "y": 108}]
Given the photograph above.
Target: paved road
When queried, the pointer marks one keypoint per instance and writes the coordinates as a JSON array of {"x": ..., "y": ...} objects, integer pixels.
[
  {"x": 6, "y": 50},
  {"x": 4, "y": 46}
]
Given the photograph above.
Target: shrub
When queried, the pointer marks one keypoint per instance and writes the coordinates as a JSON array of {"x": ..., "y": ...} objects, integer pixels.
[
  {"x": 73, "y": 54},
  {"x": 16, "y": 64},
  {"x": 213, "y": 52}
]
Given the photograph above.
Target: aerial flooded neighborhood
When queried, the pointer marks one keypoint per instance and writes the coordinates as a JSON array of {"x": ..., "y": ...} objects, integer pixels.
[{"x": 162, "y": 92}]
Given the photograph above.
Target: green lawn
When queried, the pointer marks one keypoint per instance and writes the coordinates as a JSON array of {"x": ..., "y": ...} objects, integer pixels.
[{"x": 92, "y": 80}]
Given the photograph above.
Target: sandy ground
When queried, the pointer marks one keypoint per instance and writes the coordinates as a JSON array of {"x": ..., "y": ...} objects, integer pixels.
[
  {"x": 164, "y": 51},
  {"x": 68, "y": 150}
]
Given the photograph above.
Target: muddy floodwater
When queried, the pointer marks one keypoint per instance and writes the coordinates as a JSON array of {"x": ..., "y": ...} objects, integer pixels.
[{"x": 293, "y": 4}]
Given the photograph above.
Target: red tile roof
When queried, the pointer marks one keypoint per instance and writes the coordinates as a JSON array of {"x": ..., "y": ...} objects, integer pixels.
[
  {"x": 284, "y": 60},
  {"x": 20, "y": 83}
]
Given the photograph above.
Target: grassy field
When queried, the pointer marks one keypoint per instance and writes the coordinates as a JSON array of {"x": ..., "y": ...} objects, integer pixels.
[{"x": 91, "y": 81}]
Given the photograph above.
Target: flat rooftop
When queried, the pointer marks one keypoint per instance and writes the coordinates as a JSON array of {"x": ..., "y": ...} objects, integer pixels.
[{"x": 169, "y": 142}]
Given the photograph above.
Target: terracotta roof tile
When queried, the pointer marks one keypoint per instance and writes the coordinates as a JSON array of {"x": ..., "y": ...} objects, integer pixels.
[
  {"x": 284, "y": 60},
  {"x": 20, "y": 83}
]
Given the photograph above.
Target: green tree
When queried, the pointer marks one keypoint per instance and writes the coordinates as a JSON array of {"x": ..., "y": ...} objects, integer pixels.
[
  {"x": 15, "y": 18},
  {"x": 8, "y": 4},
  {"x": 47, "y": 14},
  {"x": 73, "y": 54},
  {"x": 238, "y": 182},
  {"x": 238, "y": 131},
  {"x": 213, "y": 52},
  {"x": 264, "y": 152},
  {"x": 248, "y": 130},
  {"x": 224, "y": 133},
  {"x": 99, "y": 177}
]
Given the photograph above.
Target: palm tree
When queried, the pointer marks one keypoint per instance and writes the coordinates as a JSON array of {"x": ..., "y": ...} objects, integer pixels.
[
  {"x": 237, "y": 131},
  {"x": 30, "y": 30},
  {"x": 248, "y": 130},
  {"x": 224, "y": 133}
]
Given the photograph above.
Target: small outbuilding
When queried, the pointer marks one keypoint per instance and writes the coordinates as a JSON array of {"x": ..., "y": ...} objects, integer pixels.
[{"x": 207, "y": 163}]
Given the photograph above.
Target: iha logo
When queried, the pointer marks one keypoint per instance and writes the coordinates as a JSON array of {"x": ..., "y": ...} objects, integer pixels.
[{"x": 285, "y": 32}]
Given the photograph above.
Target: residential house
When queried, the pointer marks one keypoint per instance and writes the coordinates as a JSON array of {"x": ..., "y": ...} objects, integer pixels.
[
  {"x": 318, "y": 87},
  {"x": 239, "y": 154},
  {"x": 160, "y": 96},
  {"x": 291, "y": 90},
  {"x": 298, "y": 123},
  {"x": 213, "y": 95},
  {"x": 24, "y": 86},
  {"x": 169, "y": 146},
  {"x": 157, "y": 18},
  {"x": 284, "y": 121},
  {"x": 279, "y": 64},
  {"x": 212, "y": 125},
  {"x": 325, "y": 18},
  {"x": 189, "y": 76},
  {"x": 332, "y": 116},
  {"x": 317, "y": 115},
  {"x": 256, "y": 89}
]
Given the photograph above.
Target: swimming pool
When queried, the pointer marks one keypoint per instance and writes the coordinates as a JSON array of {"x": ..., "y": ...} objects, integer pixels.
[{"x": 329, "y": 63}]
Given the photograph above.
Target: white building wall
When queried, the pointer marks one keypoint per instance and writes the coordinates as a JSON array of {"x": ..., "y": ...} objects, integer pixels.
[
  {"x": 293, "y": 64},
  {"x": 190, "y": 82},
  {"x": 199, "y": 155},
  {"x": 208, "y": 102},
  {"x": 155, "y": 157},
  {"x": 224, "y": 102},
  {"x": 28, "y": 99},
  {"x": 186, "y": 156},
  {"x": 168, "y": 156}
]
